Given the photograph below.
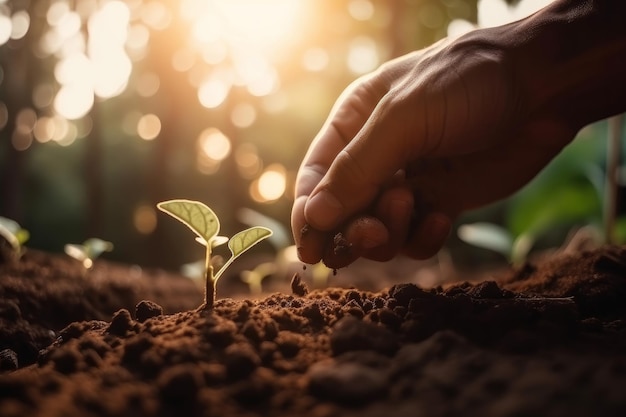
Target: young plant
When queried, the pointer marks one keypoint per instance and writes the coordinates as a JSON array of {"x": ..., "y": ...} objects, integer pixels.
[
  {"x": 496, "y": 238},
  {"x": 14, "y": 235},
  {"x": 206, "y": 225},
  {"x": 89, "y": 251},
  {"x": 254, "y": 278}
]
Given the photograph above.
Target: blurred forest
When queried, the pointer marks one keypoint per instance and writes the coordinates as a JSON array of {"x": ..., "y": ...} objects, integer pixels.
[{"x": 108, "y": 107}]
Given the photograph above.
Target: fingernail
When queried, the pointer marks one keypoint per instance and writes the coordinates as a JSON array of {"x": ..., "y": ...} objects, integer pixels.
[{"x": 323, "y": 210}]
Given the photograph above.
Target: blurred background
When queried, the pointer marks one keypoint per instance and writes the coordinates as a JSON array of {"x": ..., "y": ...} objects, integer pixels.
[{"x": 108, "y": 107}]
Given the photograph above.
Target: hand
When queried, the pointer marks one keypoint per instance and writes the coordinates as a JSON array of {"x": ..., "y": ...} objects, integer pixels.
[{"x": 408, "y": 148}]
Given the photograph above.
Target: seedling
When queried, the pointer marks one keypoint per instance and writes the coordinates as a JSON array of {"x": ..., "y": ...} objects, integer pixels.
[
  {"x": 89, "y": 251},
  {"x": 14, "y": 235},
  {"x": 255, "y": 277},
  {"x": 206, "y": 225},
  {"x": 496, "y": 238}
]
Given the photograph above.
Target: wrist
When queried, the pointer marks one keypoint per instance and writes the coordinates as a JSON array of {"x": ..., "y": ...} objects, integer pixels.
[{"x": 571, "y": 60}]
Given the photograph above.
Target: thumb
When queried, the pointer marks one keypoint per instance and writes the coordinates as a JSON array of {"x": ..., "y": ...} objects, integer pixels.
[{"x": 360, "y": 171}]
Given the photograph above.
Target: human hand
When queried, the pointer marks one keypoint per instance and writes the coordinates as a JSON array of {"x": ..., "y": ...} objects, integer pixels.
[{"x": 408, "y": 148}]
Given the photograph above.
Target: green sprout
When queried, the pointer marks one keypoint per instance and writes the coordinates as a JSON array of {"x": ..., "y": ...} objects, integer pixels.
[
  {"x": 14, "y": 235},
  {"x": 206, "y": 225},
  {"x": 255, "y": 277},
  {"x": 89, "y": 251}
]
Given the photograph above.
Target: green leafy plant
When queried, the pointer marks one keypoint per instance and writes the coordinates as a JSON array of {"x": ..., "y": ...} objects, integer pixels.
[
  {"x": 89, "y": 251},
  {"x": 14, "y": 235},
  {"x": 205, "y": 224}
]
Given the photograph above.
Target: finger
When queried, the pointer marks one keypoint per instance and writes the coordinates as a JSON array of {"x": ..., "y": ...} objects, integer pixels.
[
  {"x": 394, "y": 209},
  {"x": 429, "y": 237},
  {"x": 349, "y": 114},
  {"x": 360, "y": 235},
  {"x": 310, "y": 243},
  {"x": 359, "y": 171}
]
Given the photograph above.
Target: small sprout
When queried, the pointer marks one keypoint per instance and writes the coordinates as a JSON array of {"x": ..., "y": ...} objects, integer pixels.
[
  {"x": 255, "y": 277},
  {"x": 205, "y": 224},
  {"x": 14, "y": 235},
  {"x": 496, "y": 238},
  {"x": 89, "y": 251}
]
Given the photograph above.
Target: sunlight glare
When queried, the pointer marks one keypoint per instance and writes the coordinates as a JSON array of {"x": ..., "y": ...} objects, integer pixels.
[
  {"x": 21, "y": 22},
  {"x": 213, "y": 92},
  {"x": 361, "y": 9},
  {"x": 74, "y": 101},
  {"x": 156, "y": 15},
  {"x": 149, "y": 126},
  {"x": 68, "y": 24},
  {"x": 363, "y": 55},
  {"x": 497, "y": 12},
  {"x": 214, "y": 144},
  {"x": 6, "y": 27},
  {"x": 261, "y": 24},
  {"x": 315, "y": 59},
  {"x": 108, "y": 32},
  {"x": 272, "y": 183}
]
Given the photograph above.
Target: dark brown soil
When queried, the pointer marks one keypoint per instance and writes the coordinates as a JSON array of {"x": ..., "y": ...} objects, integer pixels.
[{"x": 546, "y": 339}]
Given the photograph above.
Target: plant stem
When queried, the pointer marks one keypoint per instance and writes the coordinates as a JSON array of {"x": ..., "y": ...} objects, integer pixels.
[{"x": 209, "y": 289}]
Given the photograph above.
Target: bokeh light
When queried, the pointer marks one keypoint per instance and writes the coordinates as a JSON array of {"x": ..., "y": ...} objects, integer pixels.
[
  {"x": 144, "y": 218},
  {"x": 270, "y": 185},
  {"x": 20, "y": 22},
  {"x": 248, "y": 161},
  {"x": 6, "y": 27},
  {"x": 214, "y": 144},
  {"x": 363, "y": 55}
]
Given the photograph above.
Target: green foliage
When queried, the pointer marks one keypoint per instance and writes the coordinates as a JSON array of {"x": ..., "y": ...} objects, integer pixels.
[
  {"x": 205, "y": 224},
  {"x": 89, "y": 251},
  {"x": 568, "y": 192},
  {"x": 14, "y": 235}
]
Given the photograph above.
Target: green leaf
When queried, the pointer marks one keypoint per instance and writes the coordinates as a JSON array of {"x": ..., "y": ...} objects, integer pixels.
[
  {"x": 246, "y": 239},
  {"x": 195, "y": 215},
  {"x": 243, "y": 241},
  {"x": 10, "y": 237},
  {"x": 95, "y": 247},
  {"x": 487, "y": 236}
]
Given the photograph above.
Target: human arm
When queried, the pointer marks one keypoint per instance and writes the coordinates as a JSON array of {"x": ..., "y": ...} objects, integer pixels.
[{"x": 456, "y": 126}]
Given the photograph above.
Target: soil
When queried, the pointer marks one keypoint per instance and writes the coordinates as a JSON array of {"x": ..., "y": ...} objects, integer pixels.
[{"x": 547, "y": 338}]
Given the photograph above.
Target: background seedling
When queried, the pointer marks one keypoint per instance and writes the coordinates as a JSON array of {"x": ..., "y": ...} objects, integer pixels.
[
  {"x": 254, "y": 278},
  {"x": 89, "y": 251},
  {"x": 14, "y": 235},
  {"x": 205, "y": 224}
]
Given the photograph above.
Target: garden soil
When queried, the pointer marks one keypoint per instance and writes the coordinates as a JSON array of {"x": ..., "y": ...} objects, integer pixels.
[{"x": 544, "y": 339}]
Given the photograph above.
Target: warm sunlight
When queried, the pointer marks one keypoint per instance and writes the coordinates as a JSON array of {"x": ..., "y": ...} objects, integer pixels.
[
  {"x": 271, "y": 185},
  {"x": 251, "y": 24}
]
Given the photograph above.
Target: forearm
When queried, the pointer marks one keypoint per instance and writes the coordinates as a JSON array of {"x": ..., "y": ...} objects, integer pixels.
[{"x": 571, "y": 60}]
